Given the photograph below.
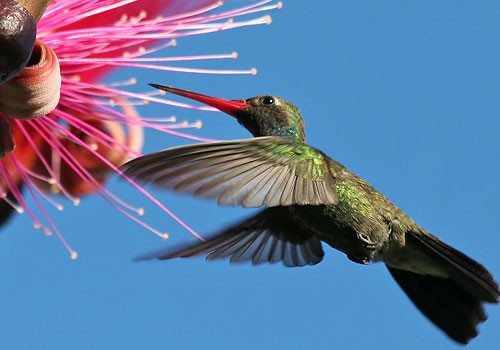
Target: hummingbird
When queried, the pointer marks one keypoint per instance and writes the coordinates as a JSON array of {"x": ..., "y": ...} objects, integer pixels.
[{"x": 309, "y": 198}]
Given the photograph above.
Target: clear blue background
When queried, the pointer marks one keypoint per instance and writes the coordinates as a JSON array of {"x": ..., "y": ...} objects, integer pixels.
[{"x": 404, "y": 93}]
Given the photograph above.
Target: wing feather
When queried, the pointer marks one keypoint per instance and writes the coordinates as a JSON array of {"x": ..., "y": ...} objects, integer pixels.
[
  {"x": 263, "y": 171},
  {"x": 270, "y": 236}
]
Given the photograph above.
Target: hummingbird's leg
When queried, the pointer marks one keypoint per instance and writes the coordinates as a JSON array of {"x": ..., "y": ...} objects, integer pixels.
[
  {"x": 370, "y": 242},
  {"x": 368, "y": 251},
  {"x": 365, "y": 238}
]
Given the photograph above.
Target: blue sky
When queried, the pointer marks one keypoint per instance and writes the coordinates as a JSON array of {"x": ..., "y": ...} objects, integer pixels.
[{"x": 403, "y": 93}]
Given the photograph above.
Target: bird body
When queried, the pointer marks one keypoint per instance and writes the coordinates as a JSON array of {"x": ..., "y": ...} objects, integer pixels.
[
  {"x": 364, "y": 224},
  {"x": 309, "y": 198}
]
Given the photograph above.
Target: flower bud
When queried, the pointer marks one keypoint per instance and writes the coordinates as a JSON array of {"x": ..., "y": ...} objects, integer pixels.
[
  {"x": 17, "y": 37},
  {"x": 35, "y": 91}
]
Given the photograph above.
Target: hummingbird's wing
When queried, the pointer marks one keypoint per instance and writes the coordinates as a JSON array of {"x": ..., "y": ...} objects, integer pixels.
[
  {"x": 270, "y": 236},
  {"x": 263, "y": 171}
]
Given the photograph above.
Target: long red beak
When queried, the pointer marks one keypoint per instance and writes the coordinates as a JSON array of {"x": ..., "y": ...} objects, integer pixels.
[{"x": 226, "y": 106}]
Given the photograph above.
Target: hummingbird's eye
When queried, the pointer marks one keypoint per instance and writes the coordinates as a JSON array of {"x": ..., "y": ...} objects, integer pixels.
[{"x": 268, "y": 100}]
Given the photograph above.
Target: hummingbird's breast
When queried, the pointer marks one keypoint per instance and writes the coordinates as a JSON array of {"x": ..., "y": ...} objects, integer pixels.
[{"x": 361, "y": 225}]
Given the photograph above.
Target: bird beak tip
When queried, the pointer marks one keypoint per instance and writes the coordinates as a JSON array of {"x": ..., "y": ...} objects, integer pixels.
[{"x": 160, "y": 87}]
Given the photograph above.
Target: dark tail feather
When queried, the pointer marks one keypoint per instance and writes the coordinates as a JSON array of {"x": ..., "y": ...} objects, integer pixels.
[
  {"x": 443, "y": 301},
  {"x": 454, "y": 303}
]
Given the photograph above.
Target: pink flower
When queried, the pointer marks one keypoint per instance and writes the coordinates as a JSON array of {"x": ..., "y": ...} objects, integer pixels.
[{"x": 69, "y": 145}]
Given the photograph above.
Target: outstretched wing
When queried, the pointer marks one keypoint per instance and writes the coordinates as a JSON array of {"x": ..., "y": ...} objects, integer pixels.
[
  {"x": 270, "y": 236},
  {"x": 262, "y": 171}
]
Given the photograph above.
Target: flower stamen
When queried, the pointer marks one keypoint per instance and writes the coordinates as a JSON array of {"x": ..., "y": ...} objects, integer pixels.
[{"x": 72, "y": 150}]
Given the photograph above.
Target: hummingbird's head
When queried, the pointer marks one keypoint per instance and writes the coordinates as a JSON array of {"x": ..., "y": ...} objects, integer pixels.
[
  {"x": 264, "y": 115},
  {"x": 269, "y": 115}
]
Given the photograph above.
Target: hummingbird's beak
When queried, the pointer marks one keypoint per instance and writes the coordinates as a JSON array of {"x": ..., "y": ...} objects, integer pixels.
[{"x": 226, "y": 106}]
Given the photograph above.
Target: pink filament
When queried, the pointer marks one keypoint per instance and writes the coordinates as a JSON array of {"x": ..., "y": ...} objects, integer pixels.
[{"x": 86, "y": 51}]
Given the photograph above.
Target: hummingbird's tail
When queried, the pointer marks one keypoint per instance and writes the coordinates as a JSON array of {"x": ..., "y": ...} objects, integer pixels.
[{"x": 454, "y": 299}]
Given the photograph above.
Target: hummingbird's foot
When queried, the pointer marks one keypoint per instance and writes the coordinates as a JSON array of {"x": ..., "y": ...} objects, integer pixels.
[
  {"x": 367, "y": 242},
  {"x": 366, "y": 251},
  {"x": 359, "y": 259}
]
